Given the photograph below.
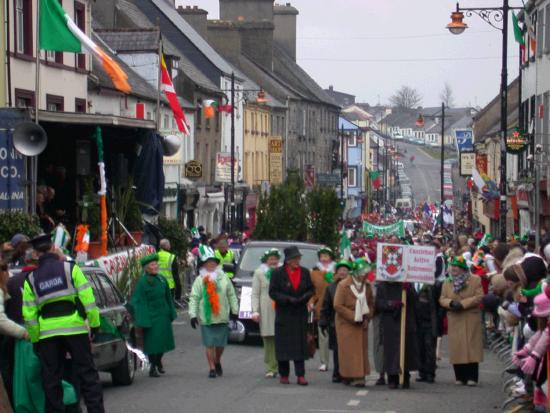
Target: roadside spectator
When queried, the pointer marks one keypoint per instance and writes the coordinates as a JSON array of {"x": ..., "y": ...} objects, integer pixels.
[{"x": 291, "y": 288}]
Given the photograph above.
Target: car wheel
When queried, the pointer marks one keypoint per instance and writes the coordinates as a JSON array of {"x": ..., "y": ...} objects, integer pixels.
[{"x": 124, "y": 373}]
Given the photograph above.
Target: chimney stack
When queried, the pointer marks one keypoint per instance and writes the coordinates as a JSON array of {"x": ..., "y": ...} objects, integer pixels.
[
  {"x": 284, "y": 20},
  {"x": 196, "y": 17},
  {"x": 246, "y": 10}
]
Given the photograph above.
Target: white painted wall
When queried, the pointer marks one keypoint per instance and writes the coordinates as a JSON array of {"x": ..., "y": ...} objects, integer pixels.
[{"x": 225, "y": 119}]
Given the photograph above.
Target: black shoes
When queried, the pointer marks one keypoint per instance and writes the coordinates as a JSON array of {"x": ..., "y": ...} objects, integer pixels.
[
  {"x": 212, "y": 374},
  {"x": 160, "y": 368},
  {"x": 425, "y": 379},
  {"x": 381, "y": 381},
  {"x": 219, "y": 370},
  {"x": 336, "y": 379}
]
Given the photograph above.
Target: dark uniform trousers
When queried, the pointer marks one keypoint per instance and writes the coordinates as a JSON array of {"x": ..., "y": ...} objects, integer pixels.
[
  {"x": 52, "y": 353},
  {"x": 427, "y": 344}
]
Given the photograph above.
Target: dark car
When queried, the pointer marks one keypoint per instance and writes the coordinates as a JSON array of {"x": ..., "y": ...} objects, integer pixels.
[
  {"x": 109, "y": 347},
  {"x": 249, "y": 261}
]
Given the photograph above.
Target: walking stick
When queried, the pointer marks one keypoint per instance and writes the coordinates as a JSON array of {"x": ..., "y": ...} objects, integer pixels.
[{"x": 402, "y": 340}]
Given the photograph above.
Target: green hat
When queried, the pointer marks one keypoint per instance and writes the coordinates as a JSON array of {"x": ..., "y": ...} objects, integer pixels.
[
  {"x": 344, "y": 263},
  {"x": 148, "y": 259},
  {"x": 460, "y": 262},
  {"x": 272, "y": 252},
  {"x": 206, "y": 253},
  {"x": 325, "y": 250},
  {"x": 361, "y": 266}
]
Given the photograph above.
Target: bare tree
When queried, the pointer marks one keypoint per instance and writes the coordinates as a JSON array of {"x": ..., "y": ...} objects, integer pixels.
[
  {"x": 406, "y": 98},
  {"x": 447, "y": 95}
]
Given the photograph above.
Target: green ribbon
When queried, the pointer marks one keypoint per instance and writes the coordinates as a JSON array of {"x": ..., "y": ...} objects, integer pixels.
[
  {"x": 329, "y": 277},
  {"x": 269, "y": 273}
]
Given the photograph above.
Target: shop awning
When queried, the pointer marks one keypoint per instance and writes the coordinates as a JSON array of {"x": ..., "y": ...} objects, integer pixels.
[{"x": 94, "y": 119}]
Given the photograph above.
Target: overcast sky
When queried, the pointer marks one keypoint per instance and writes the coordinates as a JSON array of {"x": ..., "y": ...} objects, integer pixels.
[{"x": 370, "y": 48}]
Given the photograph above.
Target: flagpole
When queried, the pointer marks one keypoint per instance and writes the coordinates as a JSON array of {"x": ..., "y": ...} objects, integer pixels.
[
  {"x": 159, "y": 76},
  {"x": 34, "y": 159}
]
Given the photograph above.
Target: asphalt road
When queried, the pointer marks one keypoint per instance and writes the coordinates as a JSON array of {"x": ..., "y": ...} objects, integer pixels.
[
  {"x": 243, "y": 389},
  {"x": 424, "y": 173}
]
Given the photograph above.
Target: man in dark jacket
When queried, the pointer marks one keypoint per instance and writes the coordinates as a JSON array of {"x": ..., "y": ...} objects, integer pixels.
[
  {"x": 427, "y": 317},
  {"x": 291, "y": 288}
]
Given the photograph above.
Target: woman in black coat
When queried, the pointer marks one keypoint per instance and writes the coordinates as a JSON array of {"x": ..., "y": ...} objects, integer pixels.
[{"x": 291, "y": 288}]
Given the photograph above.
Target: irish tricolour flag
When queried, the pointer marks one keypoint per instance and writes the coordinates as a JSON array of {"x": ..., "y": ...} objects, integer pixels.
[{"x": 58, "y": 32}]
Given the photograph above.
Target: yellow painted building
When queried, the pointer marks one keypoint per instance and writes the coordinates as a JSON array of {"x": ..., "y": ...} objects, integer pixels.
[{"x": 257, "y": 132}]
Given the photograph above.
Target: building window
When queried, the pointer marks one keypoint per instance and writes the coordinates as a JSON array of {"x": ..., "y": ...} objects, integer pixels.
[
  {"x": 166, "y": 122},
  {"x": 24, "y": 98},
  {"x": 352, "y": 177},
  {"x": 199, "y": 117},
  {"x": 23, "y": 27},
  {"x": 547, "y": 29},
  {"x": 54, "y": 103},
  {"x": 80, "y": 105},
  {"x": 80, "y": 20},
  {"x": 352, "y": 140}
]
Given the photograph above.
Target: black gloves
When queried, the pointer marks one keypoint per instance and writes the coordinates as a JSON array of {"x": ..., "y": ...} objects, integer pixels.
[
  {"x": 233, "y": 317},
  {"x": 456, "y": 306},
  {"x": 194, "y": 322},
  {"x": 94, "y": 331}
]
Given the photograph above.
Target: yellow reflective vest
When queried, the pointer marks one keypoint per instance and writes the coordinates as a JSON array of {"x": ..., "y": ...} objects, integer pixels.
[
  {"x": 228, "y": 258},
  {"x": 62, "y": 289},
  {"x": 166, "y": 260}
]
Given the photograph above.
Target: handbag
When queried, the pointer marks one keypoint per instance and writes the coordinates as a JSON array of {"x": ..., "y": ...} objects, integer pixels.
[{"x": 310, "y": 336}]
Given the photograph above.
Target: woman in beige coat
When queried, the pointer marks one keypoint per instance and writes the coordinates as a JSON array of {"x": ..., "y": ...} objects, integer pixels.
[
  {"x": 263, "y": 310},
  {"x": 461, "y": 295},
  {"x": 354, "y": 307}
]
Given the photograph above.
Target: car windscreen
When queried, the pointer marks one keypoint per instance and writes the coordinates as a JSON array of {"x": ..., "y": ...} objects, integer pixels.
[{"x": 251, "y": 258}]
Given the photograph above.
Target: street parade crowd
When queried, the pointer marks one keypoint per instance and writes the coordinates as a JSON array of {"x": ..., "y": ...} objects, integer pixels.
[{"x": 482, "y": 288}]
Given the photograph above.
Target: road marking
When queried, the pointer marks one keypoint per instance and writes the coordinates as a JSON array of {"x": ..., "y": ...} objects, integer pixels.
[
  {"x": 362, "y": 393},
  {"x": 179, "y": 323},
  {"x": 354, "y": 403},
  {"x": 350, "y": 411}
]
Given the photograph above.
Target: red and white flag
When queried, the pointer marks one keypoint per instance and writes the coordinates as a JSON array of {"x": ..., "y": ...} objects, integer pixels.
[{"x": 167, "y": 86}]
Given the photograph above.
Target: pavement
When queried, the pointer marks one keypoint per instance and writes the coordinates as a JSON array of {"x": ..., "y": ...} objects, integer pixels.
[
  {"x": 424, "y": 173},
  {"x": 243, "y": 388}
]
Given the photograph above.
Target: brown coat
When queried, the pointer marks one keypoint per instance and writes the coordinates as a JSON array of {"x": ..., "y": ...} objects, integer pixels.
[
  {"x": 465, "y": 334},
  {"x": 320, "y": 285},
  {"x": 353, "y": 343}
]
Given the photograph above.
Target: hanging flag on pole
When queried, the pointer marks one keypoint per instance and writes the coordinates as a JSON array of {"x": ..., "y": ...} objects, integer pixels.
[
  {"x": 168, "y": 87},
  {"x": 58, "y": 32},
  {"x": 518, "y": 35},
  {"x": 209, "y": 106},
  {"x": 345, "y": 245},
  {"x": 531, "y": 31},
  {"x": 375, "y": 179}
]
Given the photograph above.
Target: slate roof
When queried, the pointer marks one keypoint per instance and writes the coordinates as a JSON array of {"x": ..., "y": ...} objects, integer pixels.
[
  {"x": 131, "y": 40},
  {"x": 297, "y": 78},
  {"x": 140, "y": 87},
  {"x": 171, "y": 13},
  {"x": 139, "y": 20}
]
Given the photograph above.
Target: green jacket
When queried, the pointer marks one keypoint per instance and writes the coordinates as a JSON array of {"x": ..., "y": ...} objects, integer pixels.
[
  {"x": 228, "y": 300},
  {"x": 40, "y": 328},
  {"x": 153, "y": 310}
]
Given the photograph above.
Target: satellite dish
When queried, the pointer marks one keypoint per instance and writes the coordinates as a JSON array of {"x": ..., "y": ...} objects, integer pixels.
[
  {"x": 29, "y": 138},
  {"x": 171, "y": 145}
]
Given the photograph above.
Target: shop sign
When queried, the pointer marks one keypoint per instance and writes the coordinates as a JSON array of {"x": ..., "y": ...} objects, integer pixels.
[
  {"x": 481, "y": 163},
  {"x": 275, "y": 161},
  {"x": 516, "y": 142},
  {"x": 464, "y": 140},
  {"x": 12, "y": 174},
  {"x": 328, "y": 179},
  {"x": 223, "y": 167},
  {"x": 467, "y": 163},
  {"x": 193, "y": 169}
]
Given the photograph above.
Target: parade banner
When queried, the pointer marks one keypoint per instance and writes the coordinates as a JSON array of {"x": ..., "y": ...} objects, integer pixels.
[
  {"x": 405, "y": 263},
  {"x": 245, "y": 306},
  {"x": 115, "y": 264},
  {"x": 383, "y": 230}
]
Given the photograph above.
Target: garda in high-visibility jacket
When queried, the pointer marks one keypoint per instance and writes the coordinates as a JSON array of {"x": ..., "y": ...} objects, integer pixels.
[
  {"x": 50, "y": 300},
  {"x": 228, "y": 258},
  {"x": 166, "y": 260}
]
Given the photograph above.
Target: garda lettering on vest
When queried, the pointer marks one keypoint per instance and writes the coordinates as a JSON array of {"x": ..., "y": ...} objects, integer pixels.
[{"x": 57, "y": 283}]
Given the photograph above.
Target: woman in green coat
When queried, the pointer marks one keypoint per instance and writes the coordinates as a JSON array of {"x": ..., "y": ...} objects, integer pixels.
[
  {"x": 263, "y": 309},
  {"x": 212, "y": 303},
  {"x": 154, "y": 312}
]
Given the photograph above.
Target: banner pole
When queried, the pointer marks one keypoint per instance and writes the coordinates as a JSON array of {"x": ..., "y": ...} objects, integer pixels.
[{"x": 402, "y": 340}]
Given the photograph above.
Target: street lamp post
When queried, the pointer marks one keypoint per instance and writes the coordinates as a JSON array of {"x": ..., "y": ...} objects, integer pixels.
[{"x": 493, "y": 16}]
